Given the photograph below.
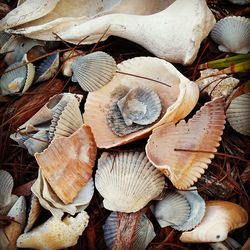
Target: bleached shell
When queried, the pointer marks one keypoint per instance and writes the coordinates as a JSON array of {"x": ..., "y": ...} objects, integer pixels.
[
  {"x": 67, "y": 163},
  {"x": 94, "y": 70},
  {"x": 238, "y": 114},
  {"x": 232, "y": 33},
  {"x": 6, "y": 209},
  {"x": 127, "y": 181},
  {"x": 201, "y": 133},
  {"x": 240, "y": 2},
  {"x": 6, "y": 186},
  {"x": 220, "y": 218},
  {"x": 55, "y": 234},
  {"x": 177, "y": 101}
]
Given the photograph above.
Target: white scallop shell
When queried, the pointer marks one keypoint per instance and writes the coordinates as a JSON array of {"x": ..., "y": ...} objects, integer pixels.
[
  {"x": 127, "y": 181},
  {"x": 6, "y": 186},
  {"x": 93, "y": 71},
  {"x": 232, "y": 33},
  {"x": 238, "y": 114}
]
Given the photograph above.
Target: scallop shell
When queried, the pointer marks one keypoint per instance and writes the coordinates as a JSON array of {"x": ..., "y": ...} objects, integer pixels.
[
  {"x": 6, "y": 186},
  {"x": 6, "y": 209},
  {"x": 240, "y": 2},
  {"x": 142, "y": 236},
  {"x": 220, "y": 218},
  {"x": 94, "y": 70},
  {"x": 201, "y": 133},
  {"x": 127, "y": 181},
  {"x": 238, "y": 114},
  {"x": 233, "y": 34},
  {"x": 67, "y": 163},
  {"x": 177, "y": 101},
  {"x": 55, "y": 234}
]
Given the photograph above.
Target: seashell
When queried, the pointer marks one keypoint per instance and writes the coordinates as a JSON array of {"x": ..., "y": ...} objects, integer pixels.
[
  {"x": 6, "y": 186},
  {"x": 221, "y": 217},
  {"x": 232, "y": 33},
  {"x": 228, "y": 244},
  {"x": 93, "y": 22},
  {"x": 238, "y": 114},
  {"x": 196, "y": 140},
  {"x": 4, "y": 37},
  {"x": 93, "y": 71},
  {"x": 127, "y": 181},
  {"x": 176, "y": 101},
  {"x": 47, "y": 68},
  {"x": 240, "y": 2},
  {"x": 142, "y": 236},
  {"x": 63, "y": 233},
  {"x": 67, "y": 163},
  {"x": 4, "y": 210}
]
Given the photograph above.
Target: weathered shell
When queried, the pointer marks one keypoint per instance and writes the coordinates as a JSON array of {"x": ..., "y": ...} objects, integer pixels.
[
  {"x": 201, "y": 133},
  {"x": 220, "y": 218},
  {"x": 240, "y": 2},
  {"x": 176, "y": 101},
  {"x": 6, "y": 186},
  {"x": 55, "y": 234},
  {"x": 232, "y": 33},
  {"x": 238, "y": 114},
  {"x": 94, "y": 70},
  {"x": 127, "y": 181}
]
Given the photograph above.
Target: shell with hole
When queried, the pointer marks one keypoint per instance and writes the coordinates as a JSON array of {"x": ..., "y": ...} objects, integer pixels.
[
  {"x": 183, "y": 151},
  {"x": 55, "y": 234},
  {"x": 177, "y": 94},
  {"x": 232, "y": 33},
  {"x": 127, "y": 181},
  {"x": 139, "y": 21},
  {"x": 220, "y": 218}
]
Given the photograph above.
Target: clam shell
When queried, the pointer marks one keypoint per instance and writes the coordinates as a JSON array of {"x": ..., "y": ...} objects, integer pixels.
[
  {"x": 201, "y": 133},
  {"x": 6, "y": 209},
  {"x": 55, "y": 234},
  {"x": 67, "y": 163},
  {"x": 127, "y": 181},
  {"x": 177, "y": 101},
  {"x": 220, "y": 218},
  {"x": 94, "y": 70},
  {"x": 232, "y": 33},
  {"x": 238, "y": 114},
  {"x": 6, "y": 186}
]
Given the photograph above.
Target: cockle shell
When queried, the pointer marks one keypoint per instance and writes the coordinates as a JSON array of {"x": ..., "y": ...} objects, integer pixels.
[
  {"x": 127, "y": 181},
  {"x": 6, "y": 186},
  {"x": 220, "y": 218},
  {"x": 233, "y": 34},
  {"x": 55, "y": 234},
  {"x": 200, "y": 135},
  {"x": 176, "y": 101},
  {"x": 67, "y": 163},
  {"x": 94, "y": 70}
]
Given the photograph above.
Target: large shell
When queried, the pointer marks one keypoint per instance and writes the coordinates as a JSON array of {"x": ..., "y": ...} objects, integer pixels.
[
  {"x": 55, "y": 234},
  {"x": 220, "y": 218},
  {"x": 200, "y": 135},
  {"x": 238, "y": 114},
  {"x": 176, "y": 101},
  {"x": 127, "y": 181},
  {"x": 67, "y": 163},
  {"x": 94, "y": 70},
  {"x": 233, "y": 34},
  {"x": 6, "y": 186}
]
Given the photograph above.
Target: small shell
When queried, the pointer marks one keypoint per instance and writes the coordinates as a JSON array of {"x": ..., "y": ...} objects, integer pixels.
[
  {"x": 94, "y": 70},
  {"x": 6, "y": 209},
  {"x": 220, "y": 218},
  {"x": 233, "y": 34},
  {"x": 6, "y": 186},
  {"x": 127, "y": 181},
  {"x": 240, "y": 2},
  {"x": 238, "y": 114},
  {"x": 55, "y": 234}
]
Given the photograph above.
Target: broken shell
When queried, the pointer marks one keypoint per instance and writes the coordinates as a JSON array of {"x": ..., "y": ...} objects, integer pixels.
[
  {"x": 67, "y": 163},
  {"x": 94, "y": 70},
  {"x": 233, "y": 34},
  {"x": 127, "y": 181},
  {"x": 183, "y": 152},
  {"x": 6, "y": 186},
  {"x": 220, "y": 218},
  {"x": 55, "y": 234},
  {"x": 176, "y": 101},
  {"x": 238, "y": 114}
]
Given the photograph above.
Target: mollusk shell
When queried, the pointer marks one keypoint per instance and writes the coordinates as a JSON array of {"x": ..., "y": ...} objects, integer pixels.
[
  {"x": 233, "y": 34},
  {"x": 55, "y": 234},
  {"x": 6, "y": 186},
  {"x": 201, "y": 133},
  {"x": 6, "y": 209},
  {"x": 127, "y": 181},
  {"x": 4, "y": 37}
]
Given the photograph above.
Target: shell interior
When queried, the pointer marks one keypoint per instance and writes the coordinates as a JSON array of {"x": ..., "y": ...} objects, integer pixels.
[{"x": 6, "y": 186}]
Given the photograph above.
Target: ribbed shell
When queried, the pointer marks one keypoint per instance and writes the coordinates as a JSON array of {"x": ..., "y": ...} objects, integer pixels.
[
  {"x": 127, "y": 181},
  {"x": 201, "y": 133},
  {"x": 93, "y": 71},
  {"x": 238, "y": 114},
  {"x": 232, "y": 33},
  {"x": 6, "y": 186}
]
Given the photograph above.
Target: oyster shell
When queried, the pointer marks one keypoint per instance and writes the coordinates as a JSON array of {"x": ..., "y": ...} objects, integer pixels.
[{"x": 6, "y": 186}]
